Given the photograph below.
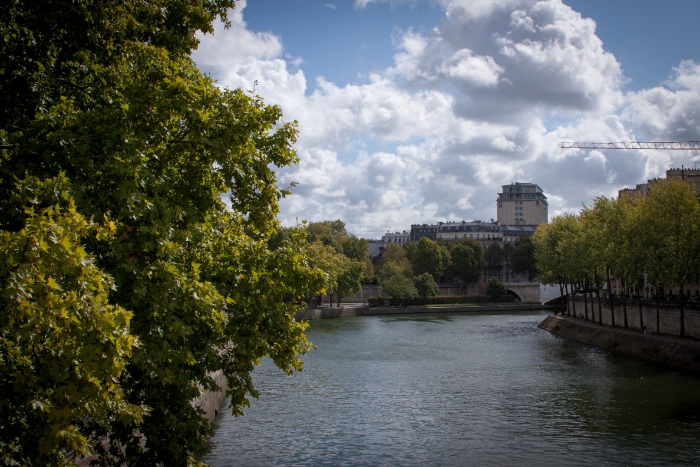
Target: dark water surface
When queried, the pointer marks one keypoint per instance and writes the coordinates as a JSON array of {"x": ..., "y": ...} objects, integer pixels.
[{"x": 461, "y": 389}]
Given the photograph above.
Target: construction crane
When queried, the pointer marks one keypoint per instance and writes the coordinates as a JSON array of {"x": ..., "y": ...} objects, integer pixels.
[{"x": 672, "y": 145}]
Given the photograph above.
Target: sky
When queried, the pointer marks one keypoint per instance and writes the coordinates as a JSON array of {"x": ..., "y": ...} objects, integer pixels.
[{"x": 413, "y": 112}]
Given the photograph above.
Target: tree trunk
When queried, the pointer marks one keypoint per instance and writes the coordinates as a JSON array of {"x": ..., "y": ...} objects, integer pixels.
[
  {"x": 641, "y": 317},
  {"x": 658, "y": 330},
  {"x": 624, "y": 302},
  {"x": 682, "y": 313},
  {"x": 561, "y": 294},
  {"x": 597, "y": 291},
  {"x": 573, "y": 299},
  {"x": 612, "y": 299},
  {"x": 585, "y": 301},
  {"x": 566, "y": 287}
]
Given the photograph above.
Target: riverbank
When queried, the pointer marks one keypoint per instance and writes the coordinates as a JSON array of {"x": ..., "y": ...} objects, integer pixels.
[
  {"x": 322, "y": 313},
  {"x": 667, "y": 350}
]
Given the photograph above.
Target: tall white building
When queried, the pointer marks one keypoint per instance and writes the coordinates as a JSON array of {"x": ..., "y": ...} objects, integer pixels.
[{"x": 522, "y": 204}]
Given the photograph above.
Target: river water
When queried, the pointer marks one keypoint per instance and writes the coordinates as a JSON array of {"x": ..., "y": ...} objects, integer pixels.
[{"x": 461, "y": 389}]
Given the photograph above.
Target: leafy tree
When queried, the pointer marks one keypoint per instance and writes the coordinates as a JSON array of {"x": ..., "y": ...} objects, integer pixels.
[
  {"x": 354, "y": 247},
  {"x": 430, "y": 257},
  {"x": 349, "y": 278},
  {"x": 64, "y": 345},
  {"x": 673, "y": 210},
  {"x": 325, "y": 258},
  {"x": 523, "y": 258},
  {"x": 496, "y": 289},
  {"x": 410, "y": 249},
  {"x": 394, "y": 257},
  {"x": 399, "y": 286},
  {"x": 467, "y": 261},
  {"x": 103, "y": 99},
  {"x": 426, "y": 286},
  {"x": 494, "y": 257}
]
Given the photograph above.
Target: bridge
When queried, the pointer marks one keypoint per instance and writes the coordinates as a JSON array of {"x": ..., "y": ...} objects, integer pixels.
[{"x": 525, "y": 291}]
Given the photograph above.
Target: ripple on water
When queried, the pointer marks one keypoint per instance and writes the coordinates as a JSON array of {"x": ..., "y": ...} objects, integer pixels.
[{"x": 462, "y": 390}]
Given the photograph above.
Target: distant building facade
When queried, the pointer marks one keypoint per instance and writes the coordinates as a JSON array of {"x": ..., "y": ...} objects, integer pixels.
[
  {"x": 395, "y": 237},
  {"x": 419, "y": 231},
  {"x": 511, "y": 233},
  {"x": 485, "y": 233},
  {"x": 522, "y": 204},
  {"x": 692, "y": 176}
]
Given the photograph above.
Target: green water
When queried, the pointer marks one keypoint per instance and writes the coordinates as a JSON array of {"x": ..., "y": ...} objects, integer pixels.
[{"x": 461, "y": 389}]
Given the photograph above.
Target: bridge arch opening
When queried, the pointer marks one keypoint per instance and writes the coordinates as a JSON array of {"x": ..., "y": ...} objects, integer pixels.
[{"x": 517, "y": 297}]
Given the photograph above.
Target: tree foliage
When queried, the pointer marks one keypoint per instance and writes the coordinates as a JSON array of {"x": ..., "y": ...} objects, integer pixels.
[
  {"x": 430, "y": 257},
  {"x": 496, "y": 289},
  {"x": 467, "y": 261},
  {"x": 116, "y": 151},
  {"x": 651, "y": 240},
  {"x": 426, "y": 286},
  {"x": 523, "y": 257}
]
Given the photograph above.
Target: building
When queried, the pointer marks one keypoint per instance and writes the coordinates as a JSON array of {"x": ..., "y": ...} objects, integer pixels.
[
  {"x": 395, "y": 237},
  {"x": 522, "y": 204},
  {"x": 419, "y": 231},
  {"x": 690, "y": 175},
  {"x": 511, "y": 233},
  {"x": 485, "y": 233},
  {"x": 374, "y": 248}
]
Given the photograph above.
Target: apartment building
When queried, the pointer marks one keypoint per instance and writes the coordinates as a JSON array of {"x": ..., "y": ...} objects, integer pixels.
[{"x": 522, "y": 204}]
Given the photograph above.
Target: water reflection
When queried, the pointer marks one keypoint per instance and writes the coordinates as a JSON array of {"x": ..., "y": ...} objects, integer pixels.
[{"x": 461, "y": 390}]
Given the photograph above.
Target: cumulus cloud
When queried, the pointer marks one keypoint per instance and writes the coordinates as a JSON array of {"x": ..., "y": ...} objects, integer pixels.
[
  {"x": 482, "y": 100},
  {"x": 670, "y": 112}
]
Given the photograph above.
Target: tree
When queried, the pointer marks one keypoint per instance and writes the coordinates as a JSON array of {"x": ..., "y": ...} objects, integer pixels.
[
  {"x": 394, "y": 257},
  {"x": 354, "y": 247},
  {"x": 674, "y": 210},
  {"x": 113, "y": 109},
  {"x": 63, "y": 343},
  {"x": 523, "y": 258},
  {"x": 349, "y": 278},
  {"x": 409, "y": 249},
  {"x": 496, "y": 289},
  {"x": 426, "y": 286},
  {"x": 399, "y": 286},
  {"x": 325, "y": 258},
  {"x": 494, "y": 256},
  {"x": 467, "y": 262},
  {"x": 430, "y": 257}
]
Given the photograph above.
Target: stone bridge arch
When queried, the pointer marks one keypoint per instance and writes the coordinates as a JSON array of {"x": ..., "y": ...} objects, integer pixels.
[{"x": 525, "y": 291}]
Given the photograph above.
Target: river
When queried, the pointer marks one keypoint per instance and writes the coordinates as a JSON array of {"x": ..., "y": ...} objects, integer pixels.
[{"x": 461, "y": 389}]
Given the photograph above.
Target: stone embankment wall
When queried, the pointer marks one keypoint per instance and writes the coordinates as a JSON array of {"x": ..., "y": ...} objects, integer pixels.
[
  {"x": 320, "y": 313},
  {"x": 527, "y": 291},
  {"x": 669, "y": 316},
  {"x": 210, "y": 401},
  {"x": 668, "y": 350}
]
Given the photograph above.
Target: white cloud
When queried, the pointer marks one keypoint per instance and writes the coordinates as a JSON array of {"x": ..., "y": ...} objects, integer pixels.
[
  {"x": 331, "y": 6},
  {"x": 464, "y": 65},
  {"x": 482, "y": 100},
  {"x": 670, "y": 113}
]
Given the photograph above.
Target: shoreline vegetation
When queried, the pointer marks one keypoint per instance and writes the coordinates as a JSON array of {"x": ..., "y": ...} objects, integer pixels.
[{"x": 624, "y": 250}]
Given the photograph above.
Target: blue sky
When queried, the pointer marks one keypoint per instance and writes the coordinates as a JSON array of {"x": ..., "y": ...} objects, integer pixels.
[
  {"x": 417, "y": 111},
  {"x": 648, "y": 37}
]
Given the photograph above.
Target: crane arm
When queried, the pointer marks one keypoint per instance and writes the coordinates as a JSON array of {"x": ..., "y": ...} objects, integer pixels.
[{"x": 673, "y": 145}]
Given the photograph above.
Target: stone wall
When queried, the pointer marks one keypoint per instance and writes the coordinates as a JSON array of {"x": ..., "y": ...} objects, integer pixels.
[
  {"x": 210, "y": 401},
  {"x": 674, "y": 351},
  {"x": 669, "y": 316},
  {"x": 526, "y": 291}
]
